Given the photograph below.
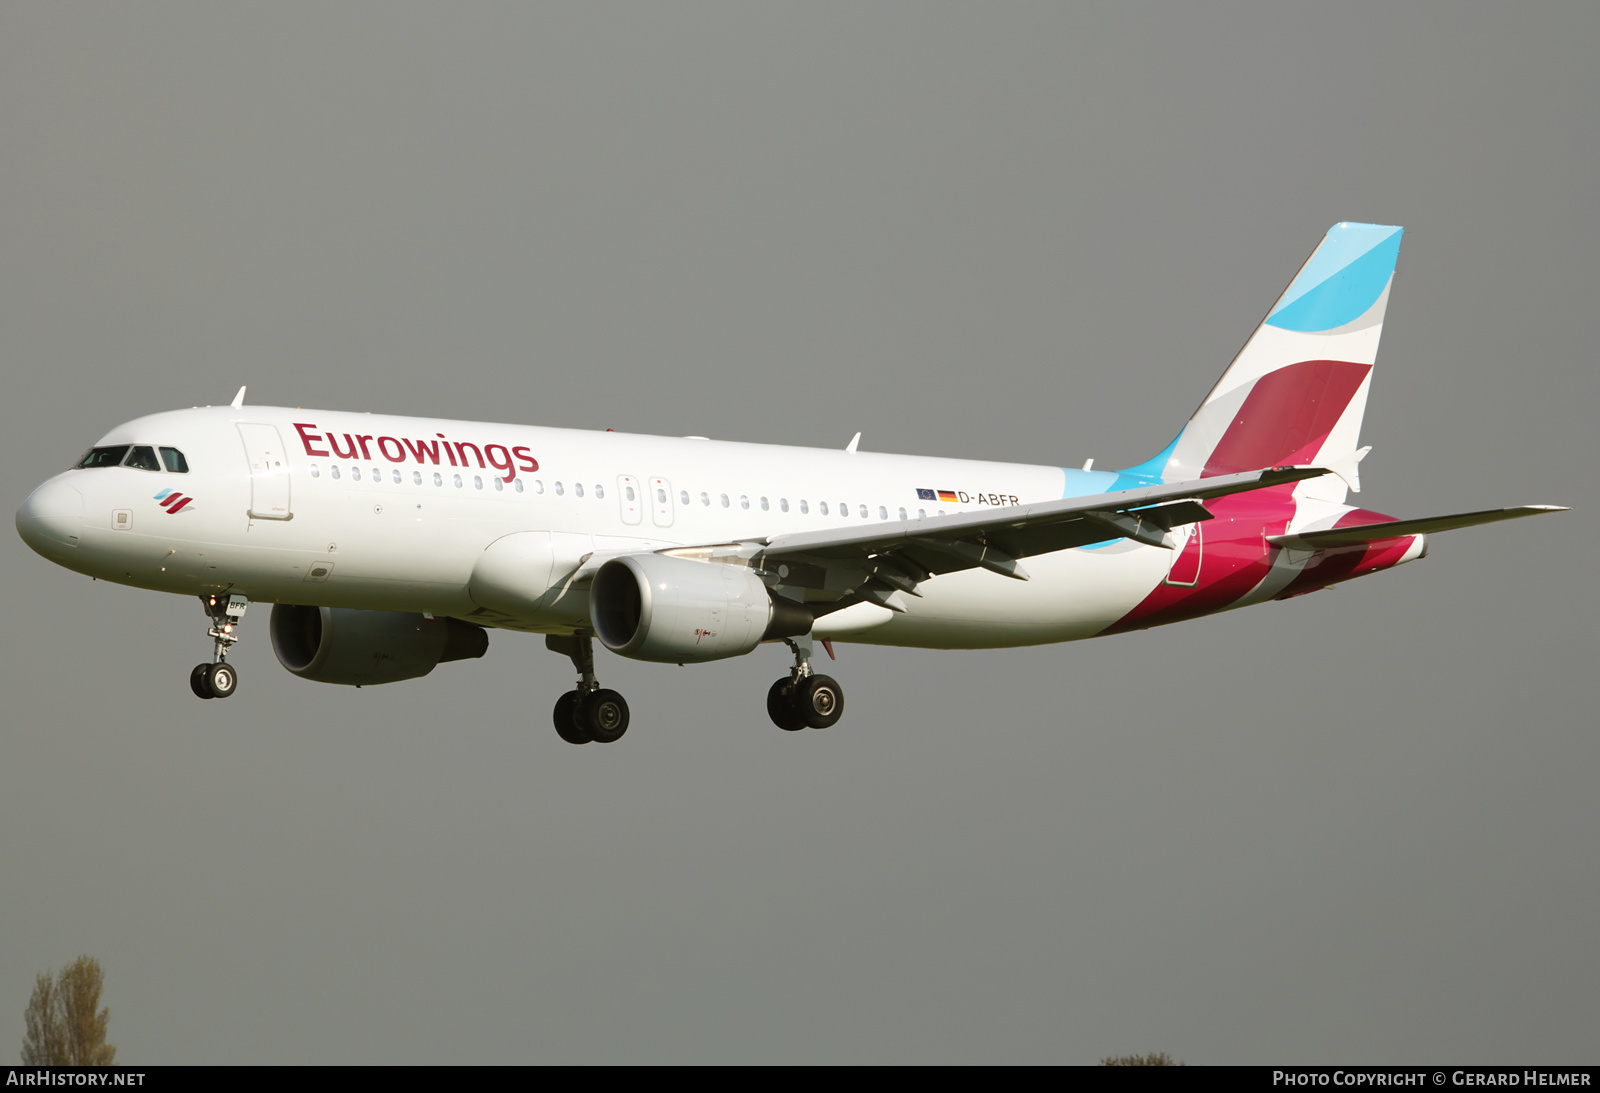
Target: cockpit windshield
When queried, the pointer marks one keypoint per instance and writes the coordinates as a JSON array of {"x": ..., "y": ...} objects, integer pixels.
[
  {"x": 139, "y": 456},
  {"x": 104, "y": 457},
  {"x": 142, "y": 457}
]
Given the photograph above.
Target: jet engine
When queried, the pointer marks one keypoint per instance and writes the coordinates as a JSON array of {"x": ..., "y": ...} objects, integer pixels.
[
  {"x": 342, "y": 645},
  {"x": 682, "y": 611}
]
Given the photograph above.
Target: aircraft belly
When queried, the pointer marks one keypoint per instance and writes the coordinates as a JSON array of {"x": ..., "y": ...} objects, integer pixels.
[
  {"x": 1072, "y": 594},
  {"x": 126, "y": 557},
  {"x": 373, "y": 554}
]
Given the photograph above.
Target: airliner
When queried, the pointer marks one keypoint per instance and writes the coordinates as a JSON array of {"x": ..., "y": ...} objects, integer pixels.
[{"x": 389, "y": 545}]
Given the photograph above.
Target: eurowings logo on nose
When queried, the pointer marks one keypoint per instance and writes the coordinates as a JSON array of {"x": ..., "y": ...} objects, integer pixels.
[{"x": 173, "y": 501}]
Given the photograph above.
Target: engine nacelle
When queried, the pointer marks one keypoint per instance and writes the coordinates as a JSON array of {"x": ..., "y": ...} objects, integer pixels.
[
  {"x": 357, "y": 648},
  {"x": 682, "y": 611}
]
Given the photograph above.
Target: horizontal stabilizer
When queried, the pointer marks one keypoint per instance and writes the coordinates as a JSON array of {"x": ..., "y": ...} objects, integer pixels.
[{"x": 1367, "y": 533}]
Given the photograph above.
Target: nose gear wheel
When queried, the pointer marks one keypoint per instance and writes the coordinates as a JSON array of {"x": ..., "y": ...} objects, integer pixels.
[{"x": 219, "y": 679}]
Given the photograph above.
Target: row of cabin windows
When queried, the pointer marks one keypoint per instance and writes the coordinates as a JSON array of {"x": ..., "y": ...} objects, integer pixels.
[
  {"x": 783, "y": 505},
  {"x": 376, "y": 476},
  {"x": 138, "y": 456},
  {"x": 559, "y": 489}
]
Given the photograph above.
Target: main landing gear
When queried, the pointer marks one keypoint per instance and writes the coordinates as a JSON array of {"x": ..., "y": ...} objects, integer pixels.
[
  {"x": 219, "y": 679},
  {"x": 803, "y": 699},
  {"x": 590, "y": 712}
]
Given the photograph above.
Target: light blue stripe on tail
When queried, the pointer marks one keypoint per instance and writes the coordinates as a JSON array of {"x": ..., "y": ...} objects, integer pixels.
[{"x": 1342, "y": 280}]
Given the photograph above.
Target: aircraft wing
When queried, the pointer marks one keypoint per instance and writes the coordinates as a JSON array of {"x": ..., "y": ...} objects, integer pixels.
[
  {"x": 1367, "y": 533},
  {"x": 874, "y": 561}
]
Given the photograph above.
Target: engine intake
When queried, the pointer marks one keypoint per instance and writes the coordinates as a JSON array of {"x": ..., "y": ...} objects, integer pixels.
[
  {"x": 682, "y": 611},
  {"x": 357, "y": 648}
]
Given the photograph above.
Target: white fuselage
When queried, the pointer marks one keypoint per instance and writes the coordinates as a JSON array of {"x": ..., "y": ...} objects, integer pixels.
[{"x": 392, "y": 513}]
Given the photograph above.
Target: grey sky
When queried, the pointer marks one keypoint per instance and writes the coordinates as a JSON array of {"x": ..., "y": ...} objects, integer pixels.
[{"x": 1359, "y": 825}]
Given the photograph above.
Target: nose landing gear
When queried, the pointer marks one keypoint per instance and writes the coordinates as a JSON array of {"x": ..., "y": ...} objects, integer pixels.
[
  {"x": 590, "y": 713},
  {"x": 803, "y": 699},
  {"x": 219, "y": 679}
]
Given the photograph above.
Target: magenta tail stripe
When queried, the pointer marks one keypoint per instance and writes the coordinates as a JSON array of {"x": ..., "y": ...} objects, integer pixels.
[{"x": 1286, "y": 416}]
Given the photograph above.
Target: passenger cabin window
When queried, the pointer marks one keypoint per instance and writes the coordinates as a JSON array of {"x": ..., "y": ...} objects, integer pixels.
[{"x": 174, "y": 461}]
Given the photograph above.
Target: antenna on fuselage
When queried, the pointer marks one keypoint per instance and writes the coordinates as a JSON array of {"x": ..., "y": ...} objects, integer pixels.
[
  {"x": 238, "y": 400},
  {"x": 850, "y": 447}
]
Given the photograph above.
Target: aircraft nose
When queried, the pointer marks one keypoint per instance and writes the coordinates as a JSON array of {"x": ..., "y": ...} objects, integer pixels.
[{"x": 51, "y": 519}]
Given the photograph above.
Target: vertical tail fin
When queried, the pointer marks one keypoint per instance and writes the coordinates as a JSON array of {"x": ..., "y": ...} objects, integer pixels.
[{"x": 1297, "y": 391}]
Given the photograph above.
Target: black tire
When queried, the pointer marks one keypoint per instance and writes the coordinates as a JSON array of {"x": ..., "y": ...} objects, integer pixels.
[
  {"x": 197, "y": 681},
  {"x": 221, "y": 679},
  {"x": 603, "y": 715},
  {"x": 781, "y": 708},
  {"x": 566, "y": 719},
  {"x": 820, "y": 701}
]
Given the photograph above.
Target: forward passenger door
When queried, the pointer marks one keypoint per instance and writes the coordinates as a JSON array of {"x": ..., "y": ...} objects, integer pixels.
[{"x": 269, "y": 472}]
